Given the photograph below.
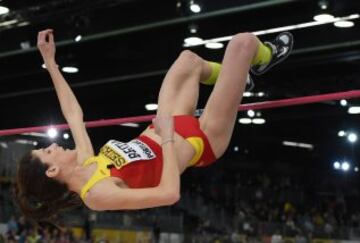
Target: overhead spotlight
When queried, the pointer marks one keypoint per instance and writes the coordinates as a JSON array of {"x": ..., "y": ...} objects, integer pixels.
[
  {"x": 251, "y": 113},
  {"x": 258, "y": 121},
  {"x": 214, "y": 45},
  {"x": 354, "y": 110},
  {"x": 352, "y": 137},
  {"x": 194, "y": 7},
  {"x": 52, "y": 132},
  {"x": 356, "y": 169},
  {"x": 345, "y": 166},
  {"x": 324, "y": 17},
  {"x": 66, "y": 136},
  {"x": 70, "y": 69},
  {"x": 4, "y": 10},
  {"x": 78, "y": 38},
  {"x": 193, "y": 40},
  {"x": 344, "y": 24},
  {"x": 336, "y": 165},
  {"x": 151, "y": 107},
  {"x": 236, "y": 149},
  {"x": 343, "y": 102},
  {"x": 342, "y": 133},
  {"x": 245, "y": 120}
]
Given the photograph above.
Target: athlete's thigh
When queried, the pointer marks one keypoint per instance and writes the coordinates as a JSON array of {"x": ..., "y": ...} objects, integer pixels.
[{"x": 179, "y": 91}]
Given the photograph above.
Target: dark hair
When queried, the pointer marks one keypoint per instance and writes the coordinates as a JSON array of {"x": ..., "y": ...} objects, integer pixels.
[{"x": 38, "y": 196}]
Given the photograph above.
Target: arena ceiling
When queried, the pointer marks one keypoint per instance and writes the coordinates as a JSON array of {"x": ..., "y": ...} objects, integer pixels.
[{"x": 127, "y": 46}]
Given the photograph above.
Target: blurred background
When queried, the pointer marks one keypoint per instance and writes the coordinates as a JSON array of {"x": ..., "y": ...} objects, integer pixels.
[{"x": 290, "y": 174}]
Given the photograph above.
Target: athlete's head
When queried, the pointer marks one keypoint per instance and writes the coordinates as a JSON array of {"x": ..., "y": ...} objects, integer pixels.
[{"x": 41, "y": 190}]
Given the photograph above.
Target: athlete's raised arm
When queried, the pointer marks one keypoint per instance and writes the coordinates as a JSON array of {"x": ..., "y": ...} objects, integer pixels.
[{"x": 68, "y": 102}]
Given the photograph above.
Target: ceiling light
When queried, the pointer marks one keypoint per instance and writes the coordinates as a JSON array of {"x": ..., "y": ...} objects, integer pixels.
[
  {"x": 52, "y": 133},
  {"x": 78, "y": 38},
  {"x": 336, "y": 165},
  {"x": 281, "y": 29},
  {"x": 352, "y": 137},
  {"x": 343, "y": 102},
  {"x": 193, "y": 41},
  {"x": 193, "y": 28},
  {"x": 195, "y": 8},
  {"x": 356, "y": 169},
  {"x": 66, "y": 136},
  {"x": 251, "y": 113},
  {"x": 3, "y": 10},
  {"x": 345, "y": 166},
  {"x": 247, "y": 94},
  {"x": 288, "y": 143},
  {"x": 344, "y": 24},
  {"x": 300, "y": 145},
  {"x": 354, "y": 110},
  {"x": 70, "y": 69},
  {"x": 258, "y": 121},
  {"x": 245, "y": 120},
  {"x": 25, "y": 23},
  {"x": 151, "y": 107},
  {"x": 25, "y": 141},
  {"x": 130, "y": 124},
  {"x": 236, "y": 148},
  {"x": 306, "y": 145},
  {"x": 260, "y": 94},
  {"x": 3, "y": 145},
  {"x": 214, "y": 45},
  {"x": 10, "y": 22},
  {"x": 35, "y": 134},
  {"x": 324, "y": 17},
  {"x": 342, "y": 133},
  {"x": 323, "y": 4}
]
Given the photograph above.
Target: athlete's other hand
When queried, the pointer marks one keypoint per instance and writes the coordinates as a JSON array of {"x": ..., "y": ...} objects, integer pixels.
[
  {"x": 46, "y": 45},
  {"x": 164, "y": 126}
]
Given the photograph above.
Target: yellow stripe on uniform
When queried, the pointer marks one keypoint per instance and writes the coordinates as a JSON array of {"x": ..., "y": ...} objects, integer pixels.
[{"x": 198, "y": 145}]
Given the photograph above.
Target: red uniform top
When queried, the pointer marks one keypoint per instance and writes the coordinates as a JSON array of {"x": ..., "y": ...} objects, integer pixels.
[{"x": 142, "y": 173}]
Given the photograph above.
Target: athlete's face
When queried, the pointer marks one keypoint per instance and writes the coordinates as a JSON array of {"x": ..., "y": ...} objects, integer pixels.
[{"x": 55, "y": 155}]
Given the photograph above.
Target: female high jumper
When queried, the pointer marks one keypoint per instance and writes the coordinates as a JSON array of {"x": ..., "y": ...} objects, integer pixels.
[{"x": 144, "y": 172}]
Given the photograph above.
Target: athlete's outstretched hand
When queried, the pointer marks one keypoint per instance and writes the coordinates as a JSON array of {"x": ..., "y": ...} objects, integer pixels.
[
  {"x": 164, "y": 126},
  {"x": 46, "y": 45}
]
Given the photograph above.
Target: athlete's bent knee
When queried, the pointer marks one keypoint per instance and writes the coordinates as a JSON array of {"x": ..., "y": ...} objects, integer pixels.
[
  {"x": 190, "y": 58},
  {"x": 244, "y": 41}
]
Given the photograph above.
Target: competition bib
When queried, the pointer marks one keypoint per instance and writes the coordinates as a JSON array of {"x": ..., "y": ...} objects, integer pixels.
[{"x": 125, "y": 153}]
